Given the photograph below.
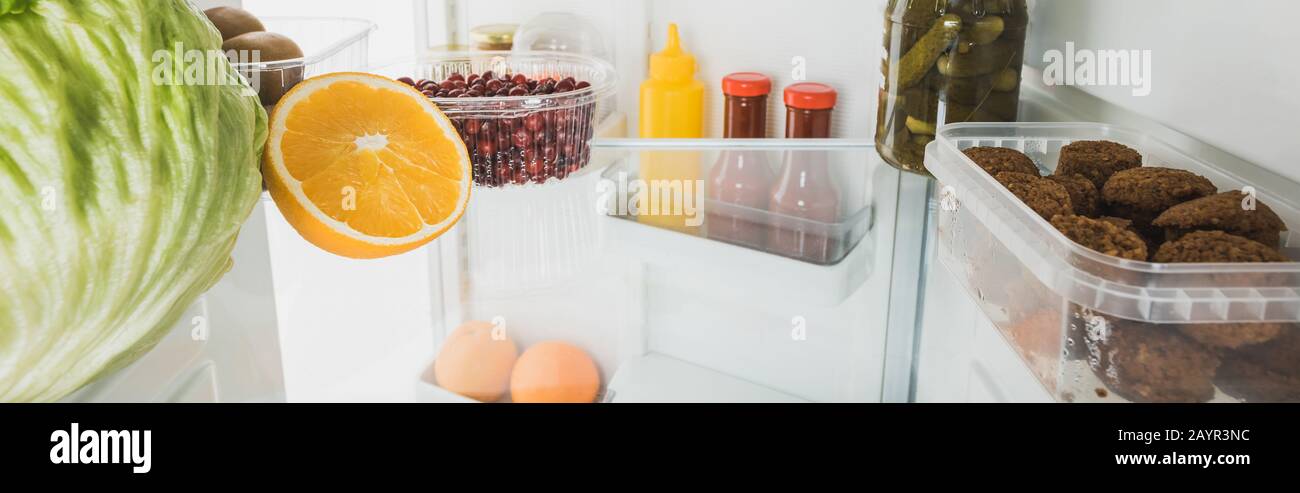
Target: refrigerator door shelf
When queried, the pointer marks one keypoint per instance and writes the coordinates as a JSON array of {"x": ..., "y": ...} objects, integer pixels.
[
  {"x": 733, "y": 268},
  {"x": 662, "y": 379},
  {"x": 773, "y": 257}
]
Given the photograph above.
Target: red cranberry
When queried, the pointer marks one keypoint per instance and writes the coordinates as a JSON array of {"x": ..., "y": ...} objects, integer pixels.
[
  {"x": 494, "y": 85},
  {"x": 521, "y": 137},
  {"x": 534, "y": 122},
  {"x": 486, "y": 145},
  {"x": 565, "y": 85},
  {"x": 407, "y": 81},
  {"x": 447, "y": 85},
  {"x": 518, "y": 91},
  {"x": 455, "y": 93},
  {"x": 471, "y": 78},
  {"x": 455, "y": 76},
  {"x": 582, "y": 85},
  {"x": 519, "y": 79},
  {"x": 473, "y": 93}
]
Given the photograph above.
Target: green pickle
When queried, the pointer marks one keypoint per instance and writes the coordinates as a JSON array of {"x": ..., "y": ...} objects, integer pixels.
[{"x": 947, "y": 61}]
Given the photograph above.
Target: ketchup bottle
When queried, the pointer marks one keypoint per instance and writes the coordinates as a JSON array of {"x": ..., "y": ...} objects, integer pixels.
[
  {"x": 804, "y": 193},
  {"x": 741, "y": 180}
]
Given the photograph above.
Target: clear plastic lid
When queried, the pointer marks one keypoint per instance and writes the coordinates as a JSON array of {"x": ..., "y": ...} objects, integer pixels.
[
  {"x": 563, "y": 32},
  {"x": 1143, "y": 291}
]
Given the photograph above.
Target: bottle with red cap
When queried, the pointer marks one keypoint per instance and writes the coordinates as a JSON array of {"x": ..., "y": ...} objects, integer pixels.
[
  {"x": 740, "y": 182},
  {"x": 804, "y": 193}
]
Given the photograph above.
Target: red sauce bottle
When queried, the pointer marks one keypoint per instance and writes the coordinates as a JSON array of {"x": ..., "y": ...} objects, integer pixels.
[
  {"x": 741, "y": 180},
  {"x": 804, "y": 196}
]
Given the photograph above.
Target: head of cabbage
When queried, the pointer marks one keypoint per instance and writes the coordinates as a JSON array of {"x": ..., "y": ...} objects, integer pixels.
[{"x": 121, "y": 195}]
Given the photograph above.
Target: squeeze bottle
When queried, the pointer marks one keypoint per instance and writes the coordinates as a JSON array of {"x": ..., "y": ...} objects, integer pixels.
[{"x": 672, "y": 106}]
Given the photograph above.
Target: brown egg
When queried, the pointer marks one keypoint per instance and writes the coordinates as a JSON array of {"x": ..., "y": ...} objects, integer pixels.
[
  {"x": 476, "y": 362},
  {"x": 554, "y": 372}
]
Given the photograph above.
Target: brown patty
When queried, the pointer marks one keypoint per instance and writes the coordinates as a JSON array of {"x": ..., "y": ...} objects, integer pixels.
[
  {"x": 1232, "y": 336},
  {"x": 1216, "y": 246},
  {"x": 1247, "y": 380},
  {"x": 1153, "y": 190},
  {"x": 1282, "y": 354},
  {"x": 1084, "y": 196},
  {"x": 1224, "y": 212},
  {"x": 1102, "y": 236},
  {"x": 1044, "y": 196},
  {"x": 996, "y": 160},
  {"x": 1152, "y": 363},
  {"x": 1096, "y": 160}
]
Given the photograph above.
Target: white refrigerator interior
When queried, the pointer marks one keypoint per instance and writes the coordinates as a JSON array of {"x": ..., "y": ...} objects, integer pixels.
[{"x": 673, "y": 316}]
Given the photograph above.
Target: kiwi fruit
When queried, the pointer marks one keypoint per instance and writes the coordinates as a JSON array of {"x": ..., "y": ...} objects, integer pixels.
[
  {"x": 271, "y": 47},
  {"x": 233, "y": 22}
]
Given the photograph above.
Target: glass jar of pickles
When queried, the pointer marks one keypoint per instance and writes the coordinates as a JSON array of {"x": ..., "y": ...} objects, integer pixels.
[{"x": 946, "y": 61}]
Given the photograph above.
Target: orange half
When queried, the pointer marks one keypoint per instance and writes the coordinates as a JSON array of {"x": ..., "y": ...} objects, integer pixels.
[{"x": 364, "y": 166}]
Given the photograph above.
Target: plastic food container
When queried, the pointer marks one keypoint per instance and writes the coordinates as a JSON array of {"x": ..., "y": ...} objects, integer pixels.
[
  {"x": 521, "y": 139},
  {"x": 1098, "y": 328},
  {"x": 329, "y": 44}
]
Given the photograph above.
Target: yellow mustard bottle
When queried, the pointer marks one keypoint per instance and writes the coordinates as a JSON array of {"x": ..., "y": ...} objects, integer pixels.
[{"x": 672, "y": 107}]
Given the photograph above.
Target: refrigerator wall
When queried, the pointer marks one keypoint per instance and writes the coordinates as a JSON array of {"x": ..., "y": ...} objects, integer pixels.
[
  {"x": 1219, "y": 75},
  {"x": 837, "y": 43}
]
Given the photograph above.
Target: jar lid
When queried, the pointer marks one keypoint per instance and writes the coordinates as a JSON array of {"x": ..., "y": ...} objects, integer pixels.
[
  {"x": 746, "y": 84},
  {"x": 810, "y": 96},
  {"x": 494, "y": 34}
]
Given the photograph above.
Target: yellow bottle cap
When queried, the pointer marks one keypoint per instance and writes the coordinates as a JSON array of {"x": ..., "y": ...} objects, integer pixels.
[{"x": 672, "y": 63}]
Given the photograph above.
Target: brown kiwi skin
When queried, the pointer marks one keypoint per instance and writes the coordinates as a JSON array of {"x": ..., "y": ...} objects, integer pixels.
[
  {"x": 271, "y": 84},
  {"x": 233, "y": 21}
]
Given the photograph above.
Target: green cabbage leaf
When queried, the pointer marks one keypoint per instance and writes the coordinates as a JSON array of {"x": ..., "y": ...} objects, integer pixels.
[{"x": 122, "y": 187}]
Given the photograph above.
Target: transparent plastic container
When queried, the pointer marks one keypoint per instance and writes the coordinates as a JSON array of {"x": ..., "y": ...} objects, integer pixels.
[
  {"x": 1097, "y": 328},
  {"x": 521, "y": 139},
  {"x": 801, "y": 239},
  {"x": 329, "y": 44}
]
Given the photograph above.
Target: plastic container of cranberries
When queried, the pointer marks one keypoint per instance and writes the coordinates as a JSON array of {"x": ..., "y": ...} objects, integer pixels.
[{"x": 533, "y": 118}]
